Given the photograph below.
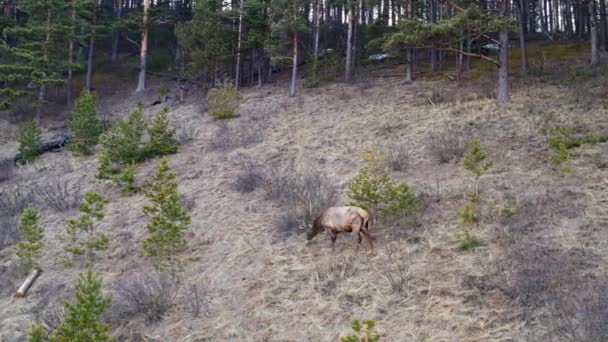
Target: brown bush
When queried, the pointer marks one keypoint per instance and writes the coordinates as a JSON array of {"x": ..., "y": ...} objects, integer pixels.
[
  {"x": 7, "y": 168},
  {"x": 58, "y": 194},
  {"x": 14, "y": 199},
  {"x": 150, "y": 295},
  {"x": 449, "y": 144},
  {"x": 228, "y": 137}
]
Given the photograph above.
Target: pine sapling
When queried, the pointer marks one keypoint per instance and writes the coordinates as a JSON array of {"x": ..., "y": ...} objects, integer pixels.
[
  {"x": 81, "y": 237},
  {"x": 168, "y": 220},
  {"x": 85, "y": 126},
  {"x": 30, "y": 141},
  {"x": 126, "y": 179},
  {"x": 477, "y": 162},
  {"x": 162, "y": 136},
  {"x": 362, "y": 334},
  {"x": 29, "y": 248},
  {"x": 83, "y": 321}
]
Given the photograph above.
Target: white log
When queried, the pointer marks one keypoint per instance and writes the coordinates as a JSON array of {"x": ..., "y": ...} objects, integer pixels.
[{"x": 27, "y": 283}]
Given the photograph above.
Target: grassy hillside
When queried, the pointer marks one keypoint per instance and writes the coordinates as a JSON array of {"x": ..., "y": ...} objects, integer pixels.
[{"x": 539, "y": 273}]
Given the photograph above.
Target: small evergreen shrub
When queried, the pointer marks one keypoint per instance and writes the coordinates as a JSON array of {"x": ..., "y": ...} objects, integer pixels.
[
  {"x": 83, "y": 321},
  {"x": 124, "y": 143},
  {"x": 223, "y": 102},
  {"x": 362, "y": 333},
  {"x": 29, "y": 141},
  {"x": 85, "y": 126},
  {"x": 468, "y": 240},
  {"x": 477, "y": 162},
  {"x": 373, "y": 189},
  {"x": 29, "y": 248},
  {"x": 168, "y": 220},
  {"x": 81, "y": 237},
  {"x": 127, "y": 143},
  {"x": 126, "y": 179},
  {"x": 162, "y": 136}
]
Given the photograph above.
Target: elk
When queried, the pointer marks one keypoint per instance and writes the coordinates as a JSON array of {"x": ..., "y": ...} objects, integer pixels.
[{"x": 335, "y": 220}]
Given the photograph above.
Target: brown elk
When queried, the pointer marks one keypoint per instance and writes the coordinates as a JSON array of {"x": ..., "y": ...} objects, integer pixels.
[{"x": 335, "y": 220}]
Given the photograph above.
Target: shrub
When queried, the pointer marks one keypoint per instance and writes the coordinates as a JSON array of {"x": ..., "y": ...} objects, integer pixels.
[
  {"x": 395, "y": 269},
  {"x": 14, "y": 200},
  {"x": 83, "y": 315},
  {"x": 126, "y": 179},
  {"x": 250, "y": 177},
  {"x": 468, "y": 240},
  {"x": 396, "y": 157},
  {"x": 168, "y": 220},
  {"x": 449, "y": 144},
  {"x": 7, "y": 168},
  {"x": 29, "y": 141},
  {"x": 81, "y": 237},
  {"x": 362, "y": 334},
  {"x": 85, "y": 126},
  {"x": 197, "y": 298},
  {"x": 9, "y": 231},
  {"x": 477, "y": 162},
  {"x": 162, "y": 136},
  {"x": 373, "y": 189},
  {"x": 106, "y": 169},
  {"x": 150, "y": 295},
  {"x": 37, "y": 333},
  {"x": 223, "y": 102},
  {"x": 303, "y": 191},
  {"x": 29, "y": 248},
  {"x": 57, "y": 194},
  {"x": 241, "y": 135},
  {"x": 123, "y": 143}
]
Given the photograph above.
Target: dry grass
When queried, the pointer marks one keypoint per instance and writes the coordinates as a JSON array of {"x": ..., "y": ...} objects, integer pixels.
[{"x": 419, "y": 286}]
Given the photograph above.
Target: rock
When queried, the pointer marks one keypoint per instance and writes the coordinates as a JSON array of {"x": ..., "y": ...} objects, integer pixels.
[{"x": 54, "y": 143}]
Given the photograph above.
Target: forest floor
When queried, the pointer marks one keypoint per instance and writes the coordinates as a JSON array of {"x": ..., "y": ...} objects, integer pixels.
[{"x": 267, "y": 286}]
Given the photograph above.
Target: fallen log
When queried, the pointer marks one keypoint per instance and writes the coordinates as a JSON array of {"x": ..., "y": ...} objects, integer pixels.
[{"x": 27, "y": 283}]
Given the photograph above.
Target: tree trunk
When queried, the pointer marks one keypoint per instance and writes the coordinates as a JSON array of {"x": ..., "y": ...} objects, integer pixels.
[
  {"x": 237, "y": 77},
  {"x": 595, "y": 52},
  {"x": 89, "y": 79},
  {"x": 603, "y": 26},
  {"x": 45, "y": 56},
  {"x": 141, "y": 83},
  {"x": 408, "y": 65},
  {"x": 349, "y": 46},
  {"x": 522, "y": 39},
  {"x": 502, "y": 93},
  {"x": 315, "y": 60},
  {"x": 116, "y": 38},
  {"x": 294, "y": 69},
  {"x": 70, "y": 81}
]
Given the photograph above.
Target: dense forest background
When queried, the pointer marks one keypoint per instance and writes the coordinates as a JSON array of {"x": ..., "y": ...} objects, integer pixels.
[{"x": 45, "y": 44}]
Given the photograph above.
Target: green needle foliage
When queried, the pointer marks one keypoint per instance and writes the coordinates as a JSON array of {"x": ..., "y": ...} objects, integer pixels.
[
  {"x": 123, "y": 143},
  {"x": 126, "y": 179},
  {"x": 477, "y": 162},
  {"x": 83, "y": 321},
  {"x": 373, "y": 189},
  {"x": 469, "y": 219},
  {"x": 37, "y": 333},
  {"x": 85, "y": 126},
  {"x": 168, "y": 220},
  {"x": 361, "y": 333},
  {"x": 29, "y": 248},
  {"x": 162, "y": 136},
  {"x": 81, "y": 238},
  {"x": 29, "y": 141}
]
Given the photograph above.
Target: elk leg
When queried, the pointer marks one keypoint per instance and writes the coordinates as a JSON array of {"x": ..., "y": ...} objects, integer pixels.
[
  {"x": 334, "y": 236},
  {"x": 368, "y": 237},
  {"x": 360, "y": 237}
]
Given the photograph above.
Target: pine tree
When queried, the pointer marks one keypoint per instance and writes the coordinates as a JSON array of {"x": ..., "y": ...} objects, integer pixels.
[
  {"x": 168, "y": 220},
  {"x": 30, "y": 141},
  {"x": 29, "y": 248},
  {"x": 38, "y": 57},
  {"x": 84, "y": 125},
  {"x": 37, "y": 333},
  {"x": 477, "y": 162},
  {"x": 92, "y": 211},
  {"x": 83, "y": 315},
  {"x": 162, "y": 135},
  {"x": 123, "y": 143}
]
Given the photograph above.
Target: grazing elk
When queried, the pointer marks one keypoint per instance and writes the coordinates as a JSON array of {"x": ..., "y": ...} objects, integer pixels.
[{"x": 335, "y": 220}]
